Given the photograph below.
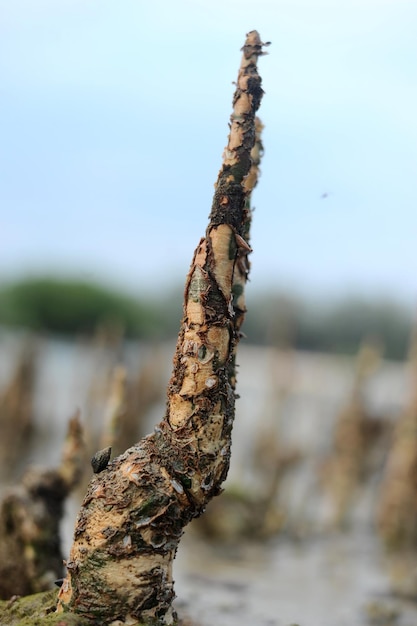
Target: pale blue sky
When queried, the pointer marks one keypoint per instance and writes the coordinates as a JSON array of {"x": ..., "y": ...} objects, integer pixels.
[{"x": 114, "y": 118}]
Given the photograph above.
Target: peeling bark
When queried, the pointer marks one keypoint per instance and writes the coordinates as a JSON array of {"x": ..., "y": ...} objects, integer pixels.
[{"x": 135, "y": 510}]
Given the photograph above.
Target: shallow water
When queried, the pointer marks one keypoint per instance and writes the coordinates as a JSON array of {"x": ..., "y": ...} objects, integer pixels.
[{"x": 330, "y": 581}]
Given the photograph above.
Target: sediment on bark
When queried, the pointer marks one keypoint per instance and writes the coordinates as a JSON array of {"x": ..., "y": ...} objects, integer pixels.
[{"x": 135, "y": 510}]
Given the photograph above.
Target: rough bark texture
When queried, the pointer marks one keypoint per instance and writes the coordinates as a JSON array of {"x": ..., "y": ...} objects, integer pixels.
[{"x": 133, "y": 515}]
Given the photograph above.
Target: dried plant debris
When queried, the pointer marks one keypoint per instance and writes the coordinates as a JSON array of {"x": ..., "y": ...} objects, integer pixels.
[
  {"x": 16, "y": 412},
  {"x": 30, "y": 516}
]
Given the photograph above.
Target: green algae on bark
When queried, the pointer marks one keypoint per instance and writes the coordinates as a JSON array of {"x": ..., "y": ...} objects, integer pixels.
[
  {"x": 39, "y": 610},
  {"x": 36, "y": 610}
]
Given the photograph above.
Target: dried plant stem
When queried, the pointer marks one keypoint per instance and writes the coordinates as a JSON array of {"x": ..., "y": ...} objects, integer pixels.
[
  {"x": 16, "y": 412},
  {"x": 30, "y": 517},
  {"x": 132, "y": 518},
  {"x": 397, "y": 511},
  {"x": 116, "y": 407},
  {"x": 355, "y": 434}
]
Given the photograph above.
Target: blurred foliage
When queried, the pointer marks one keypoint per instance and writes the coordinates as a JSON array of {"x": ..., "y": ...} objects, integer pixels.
[
  {"x": 337, "y": 326},
  {"x": 73, "y": 307}
]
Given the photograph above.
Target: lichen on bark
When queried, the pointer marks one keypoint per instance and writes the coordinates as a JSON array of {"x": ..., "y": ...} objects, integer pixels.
[{"x": 135, "y": 510}]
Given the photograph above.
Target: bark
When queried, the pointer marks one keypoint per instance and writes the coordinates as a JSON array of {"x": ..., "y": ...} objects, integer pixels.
[{"x": 134, "y": 512}]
